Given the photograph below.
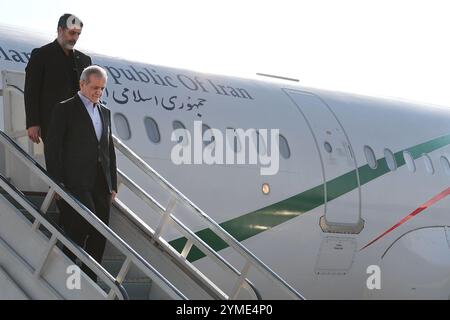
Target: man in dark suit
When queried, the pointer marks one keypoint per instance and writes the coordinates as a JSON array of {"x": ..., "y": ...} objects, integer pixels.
[
  {"x": 81, "y": 156},
  {"x": 52, "y": 75}
]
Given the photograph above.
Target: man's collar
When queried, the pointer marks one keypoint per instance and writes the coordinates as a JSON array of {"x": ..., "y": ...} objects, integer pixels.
[{"x": 85, "y": 100}]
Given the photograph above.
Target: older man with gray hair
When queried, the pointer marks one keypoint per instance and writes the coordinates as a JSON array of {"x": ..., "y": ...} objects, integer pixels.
[{"x": 80, "y": 155}]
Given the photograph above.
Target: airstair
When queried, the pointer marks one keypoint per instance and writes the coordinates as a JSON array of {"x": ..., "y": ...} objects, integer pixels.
[{"x": 140, "y": 260}]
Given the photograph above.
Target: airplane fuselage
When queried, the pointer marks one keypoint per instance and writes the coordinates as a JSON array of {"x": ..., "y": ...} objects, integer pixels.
[{"x": 358, "y": 206}]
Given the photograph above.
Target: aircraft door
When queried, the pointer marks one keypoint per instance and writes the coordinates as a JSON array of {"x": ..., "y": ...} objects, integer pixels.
[{"x": 341, "y": 180}]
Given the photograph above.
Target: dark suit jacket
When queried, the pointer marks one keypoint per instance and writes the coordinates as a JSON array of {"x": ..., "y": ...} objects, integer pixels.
[
  {"x": 72, "y": 148},
  {"x": 48, "y": 82}
]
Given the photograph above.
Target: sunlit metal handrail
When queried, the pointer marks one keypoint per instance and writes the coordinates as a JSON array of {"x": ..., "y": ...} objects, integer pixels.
[
  {"x": 251, "y": 259},
  {"x": 137, "y": 222},
  {"x": 92, "y": 219},
  {"x": 57, "y": 235}
]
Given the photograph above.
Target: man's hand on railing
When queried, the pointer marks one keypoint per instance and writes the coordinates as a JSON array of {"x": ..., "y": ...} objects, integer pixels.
[
  {"x": 34, "y": 133},
  {"x": 113, "y": 195}
]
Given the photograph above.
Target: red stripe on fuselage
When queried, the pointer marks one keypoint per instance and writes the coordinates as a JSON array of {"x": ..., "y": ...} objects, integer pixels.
[{"x": 426, "y": 205}]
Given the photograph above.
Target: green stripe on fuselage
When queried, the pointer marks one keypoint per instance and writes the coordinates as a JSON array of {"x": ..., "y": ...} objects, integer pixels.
[{"x": 251, "y": 224}]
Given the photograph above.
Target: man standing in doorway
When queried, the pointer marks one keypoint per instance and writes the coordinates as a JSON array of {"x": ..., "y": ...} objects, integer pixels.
[{"x": 52, "y": 75}]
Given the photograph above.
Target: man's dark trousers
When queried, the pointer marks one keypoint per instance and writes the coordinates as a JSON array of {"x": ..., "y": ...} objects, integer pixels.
[{"x": 98, "y": 200}]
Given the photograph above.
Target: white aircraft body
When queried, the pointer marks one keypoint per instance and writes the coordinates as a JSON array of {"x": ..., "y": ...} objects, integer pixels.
[{"x": 359, "y": 207}]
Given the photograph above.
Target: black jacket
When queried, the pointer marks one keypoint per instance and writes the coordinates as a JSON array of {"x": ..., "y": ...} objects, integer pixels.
[
  {"x": 48, "y": 82},
  {"x": 72, "y": 149}
]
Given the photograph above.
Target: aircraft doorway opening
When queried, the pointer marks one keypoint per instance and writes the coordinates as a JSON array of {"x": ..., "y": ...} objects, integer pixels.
[{"x": 340, "y": 172}]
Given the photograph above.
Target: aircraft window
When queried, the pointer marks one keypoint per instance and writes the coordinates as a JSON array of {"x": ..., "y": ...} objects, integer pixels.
[
  {"x": 261, "y": 144},
  {"x": 409, "y": 161},
  {"x": 446, "y": 165},
  {"x": 122, "y": 126},
  {"x": 284, "y": 147},
  {"x": 236, "y": 144},
  {"x": 370, "y": 157},
  {"x": 328, "y": 147},
  {"x": 390, "y": 159},
  {"x": 152, "y": 130},
  {"x": 179, "y": 125},
  {"x": 205, "y": 128},
  {"x": 428, "y": 163}
]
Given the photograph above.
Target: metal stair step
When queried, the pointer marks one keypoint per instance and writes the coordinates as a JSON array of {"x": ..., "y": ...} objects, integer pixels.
[
  {"x": 52, "y": 212},
  {"x": 51, "y": 215},
  {"x": 112, "y": 252},
  {"x": 138, "y": 289},
  {"x": 37, "y": 200},
  {"x": 114, "y": 264}
]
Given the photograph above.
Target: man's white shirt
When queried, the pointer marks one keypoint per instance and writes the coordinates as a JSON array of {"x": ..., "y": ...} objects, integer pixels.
[{"x": 94, "y": 113}]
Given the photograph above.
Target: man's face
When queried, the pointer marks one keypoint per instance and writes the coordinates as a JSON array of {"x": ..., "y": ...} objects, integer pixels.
[
  {"x": 68, "y": 37},
  {"x": 93, "y": 88}
]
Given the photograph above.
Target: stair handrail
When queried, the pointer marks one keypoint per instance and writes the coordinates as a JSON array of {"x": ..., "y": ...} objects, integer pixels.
[
  {"x": 55, "y": 188},
  {"x": 58, "y": 235},
  {"x": 251, "y": 259},
  {"x": 150, "y": 235}
]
